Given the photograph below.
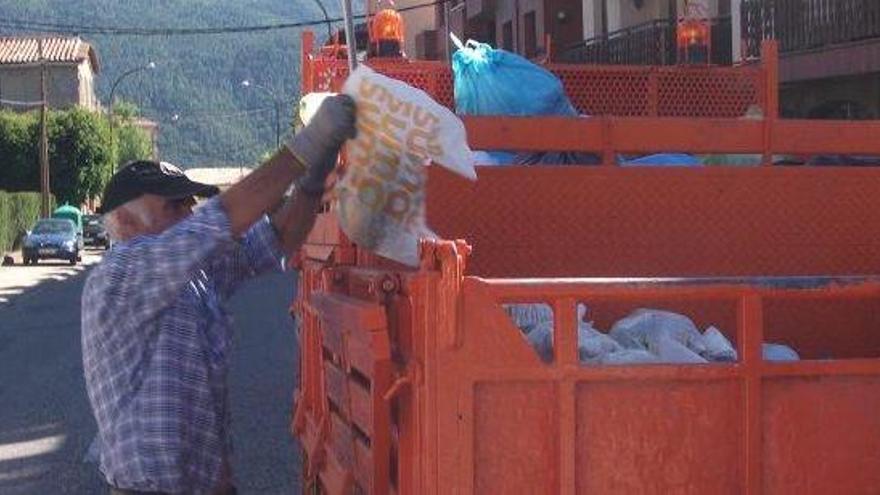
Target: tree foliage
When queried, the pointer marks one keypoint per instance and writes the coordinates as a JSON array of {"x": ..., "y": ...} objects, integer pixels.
[
  {"x": 131, "y": 142},
  {"x": 80, "y": 153}
]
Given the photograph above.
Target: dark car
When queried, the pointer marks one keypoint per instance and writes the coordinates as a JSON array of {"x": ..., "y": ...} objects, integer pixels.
[
  {"x": 51, "y": 238},
  {"x": 94, "y": 232}
]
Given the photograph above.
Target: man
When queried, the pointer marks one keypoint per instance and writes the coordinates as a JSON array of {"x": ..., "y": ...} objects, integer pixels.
[{"x": 155, "y": 332}]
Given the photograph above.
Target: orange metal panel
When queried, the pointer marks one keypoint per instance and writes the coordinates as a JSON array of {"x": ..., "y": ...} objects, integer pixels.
[
  {"x": 630, "y": 135},
  {"x": 829, "y": 368},
  {"x": 350, "y": 452},
  {"x": 659, "y": 438},
  {"x": 340, "y": 309},
  {"x": 351, "y": 399},
  {"x": 335, "y": 479},
  {"x": 645, "y": 135},
  {"x": 812, "y": 136},
  {"x": 518, "y": 133},
  {"x": 351, "y": 381},
  {"x": 751, "y": 333},
  {"x": 516, "y": 447},
  {"x": 821, "y": 435},
  {"x": 686, "y": 135},
  {"x": 598, "y": 221}
]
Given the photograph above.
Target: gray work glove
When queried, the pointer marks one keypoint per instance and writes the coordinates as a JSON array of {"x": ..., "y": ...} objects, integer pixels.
[{"x": 318, "y": 144}]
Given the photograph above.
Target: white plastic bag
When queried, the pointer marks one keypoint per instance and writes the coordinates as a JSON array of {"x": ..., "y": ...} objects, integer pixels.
[
  {"x": 718, "y": 348},
  {"x": 381, "y": 197},
  {"x": 528, "y": 316},
  {"x": 672, "y": 351},
  {"x": 644, "y": 326},
  {"x": 593, "y": 345},
  {"x": 541, "y": 339},
  {"x": 779, "y": 353}
]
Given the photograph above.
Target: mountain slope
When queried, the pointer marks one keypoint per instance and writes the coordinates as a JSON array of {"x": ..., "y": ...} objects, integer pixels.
[{"x": 206, "y": 116}]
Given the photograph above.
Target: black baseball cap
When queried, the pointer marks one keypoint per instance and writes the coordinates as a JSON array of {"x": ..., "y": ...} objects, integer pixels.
[{"x": 150, "y": 177}]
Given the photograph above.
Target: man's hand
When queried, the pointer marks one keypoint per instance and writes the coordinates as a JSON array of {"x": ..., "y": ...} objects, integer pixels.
[{"x": 318, "y": 144}]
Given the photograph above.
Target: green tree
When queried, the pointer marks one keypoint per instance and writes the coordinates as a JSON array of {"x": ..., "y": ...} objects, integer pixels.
[
  {"x": 131, "y": 142},
  {"x": 80, "y": 154}
]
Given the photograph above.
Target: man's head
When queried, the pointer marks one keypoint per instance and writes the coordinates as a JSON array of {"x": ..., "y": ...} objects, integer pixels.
[{"x": 147, "y": 197}]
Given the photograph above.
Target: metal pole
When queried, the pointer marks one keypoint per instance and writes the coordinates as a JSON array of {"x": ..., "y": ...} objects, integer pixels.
[
  {"x": 44, "y": 138},
  {"x": 446, "y": 31},
  {"x": 736, "y": 37},
  {"x": 350, "y": 39},
  {"x": 277, "y": 125},
  {"x": 118, "y": 80}
]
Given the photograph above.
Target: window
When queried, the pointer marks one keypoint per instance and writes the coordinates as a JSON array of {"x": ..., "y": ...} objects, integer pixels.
[
  {"x": 507, "y": 36},
  {"x": 530, "y": 35}
]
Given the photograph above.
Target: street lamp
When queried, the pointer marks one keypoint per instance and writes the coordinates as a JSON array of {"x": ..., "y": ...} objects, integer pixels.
[
  {"x": 149, "y": 66},
  {"x": 278, "y": 102}
]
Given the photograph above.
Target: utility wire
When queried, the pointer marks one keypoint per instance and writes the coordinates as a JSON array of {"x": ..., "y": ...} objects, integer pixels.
[{"x": 20, "y": 24}]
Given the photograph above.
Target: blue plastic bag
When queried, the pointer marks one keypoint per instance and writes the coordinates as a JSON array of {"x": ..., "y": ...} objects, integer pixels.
[
  {"x": 665, "y": 160},
  {"x": 497, "y": 82}
]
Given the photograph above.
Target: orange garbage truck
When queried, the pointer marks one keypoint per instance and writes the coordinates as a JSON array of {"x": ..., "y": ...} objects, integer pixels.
[{"x": 417, "y": 381}]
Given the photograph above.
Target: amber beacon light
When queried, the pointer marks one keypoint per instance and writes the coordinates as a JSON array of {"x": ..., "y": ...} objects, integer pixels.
[{"x": 387, "y": 32}]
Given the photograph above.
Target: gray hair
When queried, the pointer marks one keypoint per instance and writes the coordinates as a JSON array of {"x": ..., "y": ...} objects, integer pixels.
[{"x": 120, "y": 231}]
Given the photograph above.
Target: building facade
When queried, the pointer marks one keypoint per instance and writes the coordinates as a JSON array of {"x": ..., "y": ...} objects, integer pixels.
[
  {"x": 829, "y": 50},
  {"x": 532, "y": 28},
  {"x": 71, "y": 67}
]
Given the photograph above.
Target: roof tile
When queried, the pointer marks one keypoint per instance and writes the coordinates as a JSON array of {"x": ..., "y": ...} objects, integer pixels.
[{"x": 24, "y": 50}]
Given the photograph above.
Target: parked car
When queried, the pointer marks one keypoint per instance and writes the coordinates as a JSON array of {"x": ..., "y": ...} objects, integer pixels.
[
  {"x": 73, "y": 214},
  {"x": 94, "y": 232},
  {"x": 51, "y": 238}
]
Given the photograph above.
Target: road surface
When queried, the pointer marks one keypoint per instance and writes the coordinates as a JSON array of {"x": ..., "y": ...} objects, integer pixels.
[{"x": 46, "y": 425}]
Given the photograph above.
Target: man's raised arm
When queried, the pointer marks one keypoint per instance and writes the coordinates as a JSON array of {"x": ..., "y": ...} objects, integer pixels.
[{"x": 308, "y": 157}]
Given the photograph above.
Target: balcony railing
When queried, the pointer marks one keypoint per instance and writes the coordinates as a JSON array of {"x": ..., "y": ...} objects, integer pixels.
[
  {"x": 650, "y": 43},
  {"x": 808, "y": 24}
]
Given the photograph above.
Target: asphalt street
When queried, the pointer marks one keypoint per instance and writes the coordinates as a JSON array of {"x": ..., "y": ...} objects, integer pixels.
[{"x": 46, "y": 425}]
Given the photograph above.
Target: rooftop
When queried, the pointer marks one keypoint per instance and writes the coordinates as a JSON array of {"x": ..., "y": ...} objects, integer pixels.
[{"x": 26, "y": 50}]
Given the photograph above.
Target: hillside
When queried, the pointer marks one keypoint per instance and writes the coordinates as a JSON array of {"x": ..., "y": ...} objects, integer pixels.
[{"x": 206, "y": 117}]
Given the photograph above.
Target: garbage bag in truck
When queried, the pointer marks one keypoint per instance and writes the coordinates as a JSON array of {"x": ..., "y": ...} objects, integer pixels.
[
  {"x": 490, "y": 81},
  {"x": 498, "y": 82},
  {"x": 779, "y": 353},
  {"x": 718, "y": 348},
  {"x": 528, "y": 316},
  {"x": 644, "y": 326}
]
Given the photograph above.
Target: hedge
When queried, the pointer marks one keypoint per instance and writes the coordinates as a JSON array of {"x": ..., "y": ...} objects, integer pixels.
[{"x": 18, "y": 213}]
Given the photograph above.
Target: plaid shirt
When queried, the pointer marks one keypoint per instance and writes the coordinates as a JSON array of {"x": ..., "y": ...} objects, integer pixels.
[{"x": 155, "y": 339}]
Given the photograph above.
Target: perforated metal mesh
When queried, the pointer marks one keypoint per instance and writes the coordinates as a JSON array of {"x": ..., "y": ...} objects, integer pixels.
[
  {"x": 608, "y": 90},
  {"x": 717, "y": 92},
  {"x": 597, "y": 90}
]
